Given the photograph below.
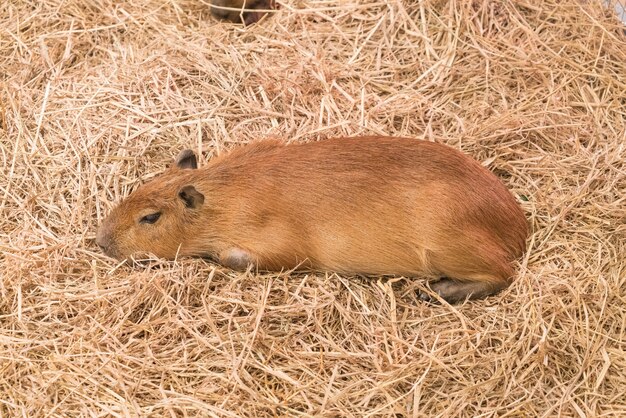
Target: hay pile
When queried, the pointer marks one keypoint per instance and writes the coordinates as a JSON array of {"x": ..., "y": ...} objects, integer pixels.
[{"x": 99, "y": 95}]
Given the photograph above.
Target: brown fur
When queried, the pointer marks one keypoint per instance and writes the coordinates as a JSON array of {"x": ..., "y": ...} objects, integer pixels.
[
  {"x": 369, "y": 205},
  {"x": 253, "y": 10}
]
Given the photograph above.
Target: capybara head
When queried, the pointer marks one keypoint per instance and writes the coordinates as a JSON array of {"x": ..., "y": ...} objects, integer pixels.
[{"x": 156, "y": 218}]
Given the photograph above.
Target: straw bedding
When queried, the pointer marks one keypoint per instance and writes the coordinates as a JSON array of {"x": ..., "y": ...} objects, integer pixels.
[{"x": 98, "y": 96}]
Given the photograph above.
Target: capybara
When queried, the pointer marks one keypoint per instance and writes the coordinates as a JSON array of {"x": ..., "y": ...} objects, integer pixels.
[
  {"x": 363, "y": 205},
  {"x": 241, "y": 11}
]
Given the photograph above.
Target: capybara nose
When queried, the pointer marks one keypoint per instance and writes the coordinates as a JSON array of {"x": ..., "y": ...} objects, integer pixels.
[
  {"x": 101, "y": 239},
  {"x": 101, "y": 244}
]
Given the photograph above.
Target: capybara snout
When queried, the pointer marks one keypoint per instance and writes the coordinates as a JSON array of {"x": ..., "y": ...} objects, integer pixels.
[{"x": 367, "y": 205}]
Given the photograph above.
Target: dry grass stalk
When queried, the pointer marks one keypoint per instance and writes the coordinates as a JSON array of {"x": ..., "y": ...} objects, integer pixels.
[{"x": 98, "y": 96}]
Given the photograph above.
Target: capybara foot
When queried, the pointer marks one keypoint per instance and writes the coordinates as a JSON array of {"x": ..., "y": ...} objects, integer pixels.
[{"x": 453, "y": 291}]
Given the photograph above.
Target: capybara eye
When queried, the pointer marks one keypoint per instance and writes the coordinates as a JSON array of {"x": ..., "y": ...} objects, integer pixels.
[{"x": 151, "y": 218}]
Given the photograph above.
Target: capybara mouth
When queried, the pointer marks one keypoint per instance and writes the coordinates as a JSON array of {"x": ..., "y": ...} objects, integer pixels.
[{"x": 111, "y": 251}]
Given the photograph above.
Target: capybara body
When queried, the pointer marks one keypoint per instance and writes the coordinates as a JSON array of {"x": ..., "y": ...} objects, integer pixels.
[
  {"x": 241, "y": 11},
  {"x": 365, "y": 205}
]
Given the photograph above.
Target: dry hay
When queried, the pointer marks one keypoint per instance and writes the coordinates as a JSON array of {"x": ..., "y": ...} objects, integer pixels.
[{"x": 99, "y": 95}]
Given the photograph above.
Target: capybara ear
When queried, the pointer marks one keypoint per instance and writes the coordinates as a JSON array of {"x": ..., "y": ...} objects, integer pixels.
[
  {"x": 193, "y": 198},
  {"x": 187, "y": 160}
]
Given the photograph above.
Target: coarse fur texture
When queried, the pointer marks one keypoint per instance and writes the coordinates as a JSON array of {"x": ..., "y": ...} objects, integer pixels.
[
  {"x": 369, "y": 205},
  {"x": 96, "y": 97}
]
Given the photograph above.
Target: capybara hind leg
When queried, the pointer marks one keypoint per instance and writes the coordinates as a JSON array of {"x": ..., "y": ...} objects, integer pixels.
[
  {"x": 238, "y": 11},
  {"x": 236, "y": 259},
  {"x": 452, "y": 290},
  {"x": 471, "y": 271},
  {"x": 253, "y": 17}
]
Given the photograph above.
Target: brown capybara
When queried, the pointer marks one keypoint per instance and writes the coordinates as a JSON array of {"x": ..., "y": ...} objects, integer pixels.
[
  {"x": 241, "y": 11},
  {"x": 368, "y": 205}
]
